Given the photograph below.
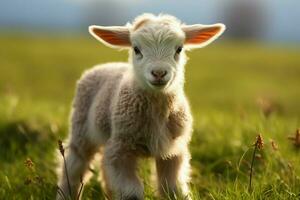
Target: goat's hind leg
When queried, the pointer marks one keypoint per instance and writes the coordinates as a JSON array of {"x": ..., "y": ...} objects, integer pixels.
[
  {"x": 81, "y": 148},
  {"x": 80, "y": 152}
]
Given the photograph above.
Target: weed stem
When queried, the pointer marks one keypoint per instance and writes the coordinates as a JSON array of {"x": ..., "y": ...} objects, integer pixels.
[{"x": 251, "y": 168}]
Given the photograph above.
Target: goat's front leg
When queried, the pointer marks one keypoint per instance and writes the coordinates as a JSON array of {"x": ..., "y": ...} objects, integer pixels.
[
  {"x": 119, "y": 165},
  {"x": 173, "y": 175}
]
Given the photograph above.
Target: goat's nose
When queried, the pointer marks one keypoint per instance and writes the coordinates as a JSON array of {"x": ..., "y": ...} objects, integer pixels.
[{"x": 159, "y": 74}]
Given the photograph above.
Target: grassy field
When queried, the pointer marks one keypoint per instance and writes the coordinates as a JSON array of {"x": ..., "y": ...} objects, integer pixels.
[{"x": 237, "y": 90}]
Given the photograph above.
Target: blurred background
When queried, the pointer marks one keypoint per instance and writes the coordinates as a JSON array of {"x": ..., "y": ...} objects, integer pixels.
[
  {"x": 257, "y": 57},
  {"x": 268, "y": 20},
  {"x": 247, "y": 81}
]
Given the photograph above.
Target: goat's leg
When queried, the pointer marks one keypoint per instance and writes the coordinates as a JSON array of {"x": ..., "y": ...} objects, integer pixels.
[
  {"x": 79, "y": 154},
  {"x": 119, "y": 165},
  {"x": 173, "y": 175}
]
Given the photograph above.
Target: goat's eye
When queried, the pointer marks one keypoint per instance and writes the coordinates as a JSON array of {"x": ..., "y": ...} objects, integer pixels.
[
  {"x": 137, "y": 51},
  {"x": 178, "y": 50}
]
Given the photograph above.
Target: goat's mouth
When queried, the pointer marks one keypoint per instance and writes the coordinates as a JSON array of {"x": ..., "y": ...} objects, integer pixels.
[{"x": 158, "y": 84}]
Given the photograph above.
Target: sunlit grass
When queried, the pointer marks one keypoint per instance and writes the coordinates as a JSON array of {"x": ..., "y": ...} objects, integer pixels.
[{"x": 237, "y": 90}]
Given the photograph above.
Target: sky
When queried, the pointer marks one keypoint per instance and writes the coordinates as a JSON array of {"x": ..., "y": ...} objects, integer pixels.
[{"x": 281, "y": 18}]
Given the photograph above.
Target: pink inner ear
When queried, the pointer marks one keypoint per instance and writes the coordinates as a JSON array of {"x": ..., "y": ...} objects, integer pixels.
[
  {"x": 113, "y": 37},
  {"x": 200, "y": 36}
]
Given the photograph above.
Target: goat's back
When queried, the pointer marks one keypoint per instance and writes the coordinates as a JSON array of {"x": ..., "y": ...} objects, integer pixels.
[{"x": 96, "y": 90}]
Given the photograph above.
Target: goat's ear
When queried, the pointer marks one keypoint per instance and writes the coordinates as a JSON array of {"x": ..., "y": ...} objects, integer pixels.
[
  {"x": 112, "y": 36},
  {"x": 198, "y": 35}
]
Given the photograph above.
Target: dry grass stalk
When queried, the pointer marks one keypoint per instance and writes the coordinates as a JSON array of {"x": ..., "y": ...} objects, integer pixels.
[
  {"x": 80, "y": 190},
  {"x": 29, "y": 164},
  {"x": 296, "y": 138},
  {"x": 267, "y": 106},
  {"x": 258, "y": 145},
  {"x": 60, "y": 192},
  {"x": 62, "y": 152},
  {"x": 274, "y": 145}
]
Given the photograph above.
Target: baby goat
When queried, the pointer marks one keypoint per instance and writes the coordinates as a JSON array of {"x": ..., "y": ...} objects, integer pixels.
[{"x": 136, "y": 109}]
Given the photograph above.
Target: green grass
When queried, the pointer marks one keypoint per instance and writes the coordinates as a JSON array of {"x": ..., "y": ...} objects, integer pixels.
[{"x": 224, "y": 83}]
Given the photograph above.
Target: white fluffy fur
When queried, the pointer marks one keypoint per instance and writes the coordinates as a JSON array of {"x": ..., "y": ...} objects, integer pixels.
[{"x": 117, "y": 107}]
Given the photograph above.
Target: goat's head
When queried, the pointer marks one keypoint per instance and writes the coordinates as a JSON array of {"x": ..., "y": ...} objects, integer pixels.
[{"x": 157, "y": 45}]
